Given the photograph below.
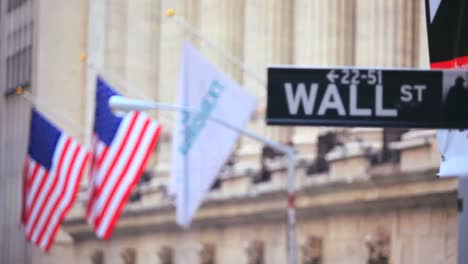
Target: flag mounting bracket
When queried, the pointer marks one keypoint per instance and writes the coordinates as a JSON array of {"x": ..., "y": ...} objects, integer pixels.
[{"x": 120, "y": 103}]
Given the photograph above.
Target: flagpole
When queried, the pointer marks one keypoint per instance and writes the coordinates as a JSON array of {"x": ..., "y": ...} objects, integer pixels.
[
  {"x": 292, "y": 206},
  {"x": 126, "y": 104}
]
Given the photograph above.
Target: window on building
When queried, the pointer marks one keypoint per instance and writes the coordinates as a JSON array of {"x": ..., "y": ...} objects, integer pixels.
[
  {"x": 264, "y": 175},
  {"x": 312, "y": 251},
  {"x": 97, "y": 257},
  {"x": 14, "y": 4},
  {"x": 166, "y": 255},
  {"x": 128, "y": 256},
  {"x": 216, "y": 184},
  {"x": 255, "y": 252},
  {"x": 19, "y": 46},
  {"x": 391, "y": 135},
  {"x": 145, "y": 178},
  {"x": 268, "y": 154},
  {"x": 136, "y": 194},
  {"x": 208, "y": 254},
  {"x": 325, "y": 143},
  {"x": 386, "y": 154},
  {"x": 229, "y": 164}
]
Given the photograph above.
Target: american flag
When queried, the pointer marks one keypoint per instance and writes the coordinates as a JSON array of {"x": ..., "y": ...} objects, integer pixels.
[
  {"x": 53, "y": 169},
  {"x": 121, "y": 148}
]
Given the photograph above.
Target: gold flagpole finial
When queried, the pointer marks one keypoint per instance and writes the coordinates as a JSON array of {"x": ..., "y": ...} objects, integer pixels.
[
  {"x": 19, "y": 90},
  {"x": 170, "y": 12},
  {"x": 83, "y": 57}
]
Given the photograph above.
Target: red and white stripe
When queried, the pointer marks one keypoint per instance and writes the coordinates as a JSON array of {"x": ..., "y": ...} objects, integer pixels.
[
  {"x": 48, "y": 195},
  {"x": 117, "y": 168}
]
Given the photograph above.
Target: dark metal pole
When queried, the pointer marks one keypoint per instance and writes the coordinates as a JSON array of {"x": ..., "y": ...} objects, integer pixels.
[{"x": 463, "y": 221}]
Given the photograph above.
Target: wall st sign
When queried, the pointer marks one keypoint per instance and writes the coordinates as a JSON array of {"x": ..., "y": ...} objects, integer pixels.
[{"x": 367, "y": 97}]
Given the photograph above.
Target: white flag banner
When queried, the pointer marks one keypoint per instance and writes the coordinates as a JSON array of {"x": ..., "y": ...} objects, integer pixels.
[
  {"x": 453, "y": 144},
  {"x": 201, "y": 147}
]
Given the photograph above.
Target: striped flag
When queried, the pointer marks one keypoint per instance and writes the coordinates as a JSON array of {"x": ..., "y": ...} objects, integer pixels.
[
  {"x": 121, "y": 148},
  {"x": 53, "y": 169}
]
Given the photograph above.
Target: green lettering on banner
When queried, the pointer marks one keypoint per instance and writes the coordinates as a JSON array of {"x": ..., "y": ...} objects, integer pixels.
[{"x": 195, "y": 123}]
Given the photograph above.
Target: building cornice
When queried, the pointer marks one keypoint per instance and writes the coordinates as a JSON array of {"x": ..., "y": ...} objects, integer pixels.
[{"x": 375, "y": 193}]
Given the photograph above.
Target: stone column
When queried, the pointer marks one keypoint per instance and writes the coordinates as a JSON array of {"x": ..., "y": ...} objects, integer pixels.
[
  {"x": 172, "y": 37},
  {"x": 142, "y": 52},
  {"x": 324, "y": 32},
  {"x": 324, "y": 35},
  {"x": 268, "y": 39},
  {"x": 423, "y": 48},
  {"x": 142, "y": 63},
  {"x": 115, "y": 51},
  {"x": 387, "y": 32},
  {"x": 223, "y": 25}
]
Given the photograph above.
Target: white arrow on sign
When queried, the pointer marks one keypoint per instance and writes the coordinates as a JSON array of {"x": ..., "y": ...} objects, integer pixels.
[{"x": 332, "y": 76}]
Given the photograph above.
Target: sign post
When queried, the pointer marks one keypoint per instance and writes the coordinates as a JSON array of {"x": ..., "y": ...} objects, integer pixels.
[{"x": 463, "y": 221}]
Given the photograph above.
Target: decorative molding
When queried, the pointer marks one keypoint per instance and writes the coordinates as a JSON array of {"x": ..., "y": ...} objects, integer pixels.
[
  {"x": 166, "y": 255},
  {"x": 207, "y": 254},
  {"x": 255, "y": 251},
  {"x": 378, "y": 246},
  {"x": 349, "y": 150},
  {"x": 97, "y": 257},
  {"x": 410, "y": 144},
  {"x": 128, "y": 256},
  {"x": 380, "y": 192},
  {"x": 312, "y": 250}
]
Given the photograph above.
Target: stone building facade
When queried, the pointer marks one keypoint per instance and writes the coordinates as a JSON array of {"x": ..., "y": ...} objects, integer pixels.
[
  {"x": 40, "y": 47},
  {"x": 365, "y": 195}
]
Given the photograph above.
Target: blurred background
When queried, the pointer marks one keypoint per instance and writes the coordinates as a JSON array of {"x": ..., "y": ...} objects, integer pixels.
[{"x": 365, "y": 195}]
